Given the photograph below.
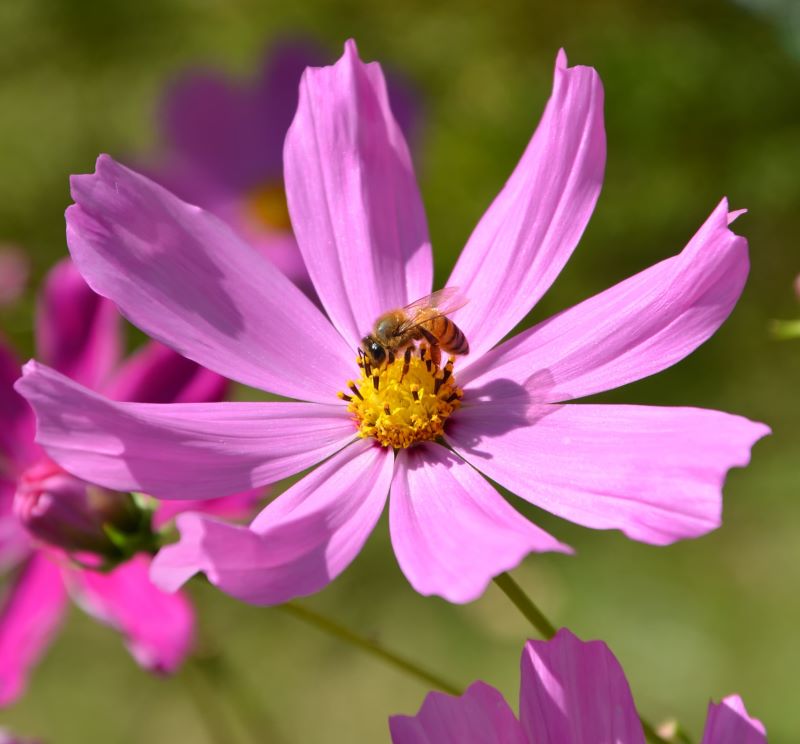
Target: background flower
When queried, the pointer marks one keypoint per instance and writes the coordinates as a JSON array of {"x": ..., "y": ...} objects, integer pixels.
[
  {"x": 79, "y": 333},
  {"x": 571, "y": 692}
]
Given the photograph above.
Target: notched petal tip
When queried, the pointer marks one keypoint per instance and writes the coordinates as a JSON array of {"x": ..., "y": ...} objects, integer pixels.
[{"x": 178, "y": 562}]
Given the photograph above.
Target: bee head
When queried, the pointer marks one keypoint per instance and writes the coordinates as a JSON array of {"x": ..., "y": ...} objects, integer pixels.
[{"x": 374, "y": 350}]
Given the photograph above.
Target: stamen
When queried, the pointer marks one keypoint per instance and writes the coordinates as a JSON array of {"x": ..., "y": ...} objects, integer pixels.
[{"x": 406, "y": 400}]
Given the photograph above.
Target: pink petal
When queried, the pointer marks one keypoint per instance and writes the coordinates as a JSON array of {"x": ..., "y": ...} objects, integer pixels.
[
  {"x": 157, "y": 374},
  {"x": 16, "y": 425},
  {"x": 654, "y": 473},
  {"x": 238, "y": 506},
  {"x": 635, "y": 329},
  {"x": 479, "y": 716},
  {"x": 179, "y": 450},
  {"x": 298, "y": 544},
  {"x": 529, "y": 232},
  {"x": 353, "y": 197},
  {"x": 30, "y": 615},
  {"x": 451, "y": 531},
  {"x": 183, "y": 277},
  {"x": 158, "y": 627},
  {"x": 576, "y": 692},
  {"x": 728, "y": 723},
  {"x": 77, "y": 331},
  {"x": 14, "y": 538}
]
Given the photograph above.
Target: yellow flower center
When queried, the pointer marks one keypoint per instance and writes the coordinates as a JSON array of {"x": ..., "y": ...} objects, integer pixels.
[
  {"x": 266, "y": 207},
  {"x": 404, "y": 401}
]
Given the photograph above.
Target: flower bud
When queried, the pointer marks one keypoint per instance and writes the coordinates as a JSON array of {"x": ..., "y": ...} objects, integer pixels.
[{"x": 66, "y": 512}]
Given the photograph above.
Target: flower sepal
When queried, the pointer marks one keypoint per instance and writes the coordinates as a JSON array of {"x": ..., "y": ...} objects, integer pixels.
[{"x": 96, "y": 527}]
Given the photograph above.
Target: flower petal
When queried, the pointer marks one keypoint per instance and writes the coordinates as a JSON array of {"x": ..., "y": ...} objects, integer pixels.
[
  {"x": 16, "y": 431},
  {"x": 179, "y": 450},
  {"x": 77, "y": 331},
  {"x": 298, "y": 544},
  {"x": 353, "y": 198},
  {"x": 237, "y": 506},
  {"x": 183, "y": 277},
  {"x": 157, "y": 374},
  {"x": 642, "y": 325},
  {"x": 576, "y": 692},
  {"x": 529, "y": 232},
  {"x": 30, "y": 615},
  {"x": 451, "y": 531},
  {"x": 479, "y": 716},
  {"x": 727, "y": 722},
  {"x": 654, "y": 473},
  {"x": 158, "y": 627}
]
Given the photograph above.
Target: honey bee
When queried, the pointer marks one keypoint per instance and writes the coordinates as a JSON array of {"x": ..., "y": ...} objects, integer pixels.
[{"x": 423, "y": 320}]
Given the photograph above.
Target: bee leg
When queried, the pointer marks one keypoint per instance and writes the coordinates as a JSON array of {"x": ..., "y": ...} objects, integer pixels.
[
  {"x": 436, "y": 354},
  {"x": 391, "y": 356},
  {"x": 406, "y": 362}
]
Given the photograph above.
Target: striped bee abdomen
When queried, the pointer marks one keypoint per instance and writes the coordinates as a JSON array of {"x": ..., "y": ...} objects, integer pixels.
[{"x": 448, "y": 335}]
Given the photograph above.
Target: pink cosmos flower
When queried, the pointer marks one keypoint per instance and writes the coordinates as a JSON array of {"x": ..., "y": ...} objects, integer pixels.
[
  {"x": 571, "y": 692},
  {"x": 223, "y": 147},
  {"x": 426, "y": 433},
  {"x": 45, "y": 511}
]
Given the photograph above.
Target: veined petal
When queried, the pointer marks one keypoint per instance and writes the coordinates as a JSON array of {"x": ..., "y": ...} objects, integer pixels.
[
  {"x": 298, "y": 544},
  {"x": 654, "y": 473},
  {"x": 575, "y": 692},
  {"x": 642, "y": 325},
  {"x": 353, "y": 197},
  {"x": 185, "y": 278},
  {"x": 451, "y": 531},
  {"x": 77, "y": 331},
  {"x": 30, "y": 615},
  {"x": 479, "y": 716},
  {"x": 158, "y": 627},
  {"x": 157, "y": 374},
  {"x": 179, "y": 450},
  {"x": 728, "y": 723},
  {"x": 529, "y": 232}
]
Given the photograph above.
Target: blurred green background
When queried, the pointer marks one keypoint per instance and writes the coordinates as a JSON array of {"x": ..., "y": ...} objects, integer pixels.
[{"x": 702, "y": 100}]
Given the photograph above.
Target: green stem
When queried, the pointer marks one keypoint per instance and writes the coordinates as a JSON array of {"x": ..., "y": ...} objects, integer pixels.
[
  {"x": 366, "y": 644},
  {"x": 525, "y": 605},
  {"x": 547, "y": 630},
  {"x": 206, "y": 704}
]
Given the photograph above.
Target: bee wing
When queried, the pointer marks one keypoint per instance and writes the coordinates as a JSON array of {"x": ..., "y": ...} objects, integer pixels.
[{"x": 441, "y": 302}]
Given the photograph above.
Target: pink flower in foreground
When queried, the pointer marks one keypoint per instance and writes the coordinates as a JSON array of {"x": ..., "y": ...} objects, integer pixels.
[
  {"x": 183, "y": 277},
  {"x": 571, "y": 692},
  {"x": 45, "y": 512},
  {"x": 223, "y": 147}
]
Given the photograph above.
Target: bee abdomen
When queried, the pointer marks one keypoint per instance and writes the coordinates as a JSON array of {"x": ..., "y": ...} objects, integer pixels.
[{"x": 450, "y": 337}]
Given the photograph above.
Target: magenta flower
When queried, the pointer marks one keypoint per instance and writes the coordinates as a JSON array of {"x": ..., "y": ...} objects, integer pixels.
[
  {"x": 571, "y": 692},
  {"x": 46, "y": 513},
  {"x": 223, "y": 147},
  {"x": 185, "y": 278}
]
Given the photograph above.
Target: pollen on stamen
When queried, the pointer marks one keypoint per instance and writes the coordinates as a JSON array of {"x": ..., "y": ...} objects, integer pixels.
[{"x": 406, "y": 400}]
